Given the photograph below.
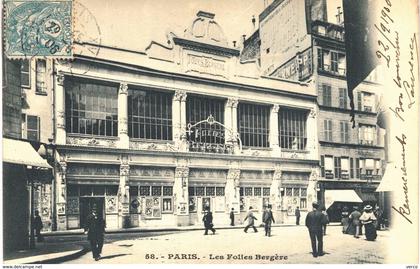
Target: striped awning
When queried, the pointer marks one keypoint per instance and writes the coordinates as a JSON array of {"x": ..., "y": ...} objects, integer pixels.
[{"x": 21, "y": 152}]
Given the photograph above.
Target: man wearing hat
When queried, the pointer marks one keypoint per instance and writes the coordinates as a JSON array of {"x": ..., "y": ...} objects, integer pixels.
[
  {"x": 315, "y": 221},
  {"x": 250, "y": 217},
  {"x": 268, "y": 219}
]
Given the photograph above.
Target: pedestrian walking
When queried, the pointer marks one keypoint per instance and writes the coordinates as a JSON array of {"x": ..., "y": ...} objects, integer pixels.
[
  {"x": 232, "y": 217},
  {"x": 368, "y": 220},
  {"x": 379, "y": 217},
  {"x": 95, "y": 229},
  {"x": 324, "y": 227},
  {"x": 268, "y": 219},
  {"x": 314, "y": 221},
  {"x": 345, "y": 219},
  {"x": 208, "y": 222},
  {"x": 251, "y": 218},
  {"x": 354, "y": 219},
  {"x": 297, "y": 214},
  {"x": 37, "y": 225}
]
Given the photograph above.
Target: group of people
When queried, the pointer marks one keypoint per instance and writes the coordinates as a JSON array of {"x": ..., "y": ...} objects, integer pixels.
[
  {"x": 353, "y": 222},
  {"x": 267, "y": 219}
]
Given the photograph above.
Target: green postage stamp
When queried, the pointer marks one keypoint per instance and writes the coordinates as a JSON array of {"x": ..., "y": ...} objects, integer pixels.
[{"x": 38, "y": 28}]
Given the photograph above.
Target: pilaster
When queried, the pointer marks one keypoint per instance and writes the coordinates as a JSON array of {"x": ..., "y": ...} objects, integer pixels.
[
  {"x": 61, "y": 194},
  {"x": 123, "y": 116},
  {"x": 231, "y": 122},
  {"x": 179, "y": 120},
  {"x": 312, "y": 137},
  {"x": 123, "y": 193},
  {"x": 232, "y": 189},
  {"x": 181, "y": 194},
  {"x": 59, "y": 110},
  {"x": 274, "y": 131}
]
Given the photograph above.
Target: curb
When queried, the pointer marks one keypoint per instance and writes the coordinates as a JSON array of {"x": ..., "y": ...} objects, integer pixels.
[
  {"x": 69, "y": 257},
  {"x": 174, "y": 229}
]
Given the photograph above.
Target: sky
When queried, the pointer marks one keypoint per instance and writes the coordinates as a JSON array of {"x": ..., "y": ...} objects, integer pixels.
[{"x": 132, "y": 24}]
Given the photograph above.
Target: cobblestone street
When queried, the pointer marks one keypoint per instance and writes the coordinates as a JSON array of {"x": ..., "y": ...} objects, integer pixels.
[{"x": 287, "y": 245}]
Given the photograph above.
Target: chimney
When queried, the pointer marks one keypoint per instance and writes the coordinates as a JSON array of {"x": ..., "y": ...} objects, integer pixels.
[
  {"x": 253, "y": 21},
  {"x": 243, "y": 38},
  {"x": 234, "y": 43}
]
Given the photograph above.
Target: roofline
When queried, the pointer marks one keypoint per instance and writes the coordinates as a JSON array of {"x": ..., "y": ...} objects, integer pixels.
[{"x": 187, "y": 77}]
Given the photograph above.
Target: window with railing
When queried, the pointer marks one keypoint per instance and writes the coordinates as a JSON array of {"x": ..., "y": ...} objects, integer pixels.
[
  {"x": 253, "y": 124},
  {"x": 332, "y": 62},
  {"x": 367, "y": 134},
  {"x": 292, "y": 131},
  {"x": 91, "y": 108},
  {"x": 149, "y": 114},
  {"x": 366, "y": 101},
  {"x": 329, "y": 166},
  {"x": 206, "y": 136}
]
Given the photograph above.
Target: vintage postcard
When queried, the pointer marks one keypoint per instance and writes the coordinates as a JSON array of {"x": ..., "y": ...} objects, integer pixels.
[{"x": 210, "y": 132}]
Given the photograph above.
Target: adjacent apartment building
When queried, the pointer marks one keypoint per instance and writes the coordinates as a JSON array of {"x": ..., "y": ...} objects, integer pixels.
[{"x": 310, "y": 49}]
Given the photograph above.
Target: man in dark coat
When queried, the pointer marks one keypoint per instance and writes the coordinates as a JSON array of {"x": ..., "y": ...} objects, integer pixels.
[
  {"x": 315, "y": 221},
  {"x": 355, "y": 222},
  {"x": 208, "y": 222},
  {"x": 95, "y": 229},
  {"x": 297, "y": 214},
  {"x": 38, "y": 226},
  {"x": 232, "y": 217},
  {"x": 267, "y": 219},
  {"x": 250, "y": 217}
]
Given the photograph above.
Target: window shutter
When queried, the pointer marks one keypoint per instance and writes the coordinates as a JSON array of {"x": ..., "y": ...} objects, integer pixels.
[
  {"x": 359, "y": 101},
  {"x": 322, "y": 166},
  {"x": 357, "y": 168},
  {"x": 351, "y": 168}
]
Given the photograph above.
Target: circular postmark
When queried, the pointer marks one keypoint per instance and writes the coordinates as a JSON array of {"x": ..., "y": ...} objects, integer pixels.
[
  {"x": 38, "y": 29},
  {"x": 86, "y": 38}
]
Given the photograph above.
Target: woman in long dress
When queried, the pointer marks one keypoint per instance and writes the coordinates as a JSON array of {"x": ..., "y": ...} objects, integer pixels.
[
  {"x": 345, "y": 219},
  {"x": 368, "y": 219}
]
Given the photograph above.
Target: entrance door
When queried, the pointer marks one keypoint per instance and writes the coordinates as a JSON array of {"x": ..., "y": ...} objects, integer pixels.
[{"x": 87, "y": 204}]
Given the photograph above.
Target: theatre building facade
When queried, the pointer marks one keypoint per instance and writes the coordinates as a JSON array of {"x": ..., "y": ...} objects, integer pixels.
[{"x": 153, "y": 138}]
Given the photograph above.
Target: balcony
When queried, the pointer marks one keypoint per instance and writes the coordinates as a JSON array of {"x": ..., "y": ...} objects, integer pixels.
[
  {"x": 328, "y": 30},
  {"x": 366, "y": 142},
  {"x": 338, "y": 71}
]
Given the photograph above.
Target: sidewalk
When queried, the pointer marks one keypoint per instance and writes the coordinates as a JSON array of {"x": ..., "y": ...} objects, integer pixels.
[
  {"x": 47, "y": 252},
  {"x": 163, "y": 229}
]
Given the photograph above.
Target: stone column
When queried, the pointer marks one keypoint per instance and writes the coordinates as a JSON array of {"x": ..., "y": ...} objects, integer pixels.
[
  {"x": 274, "y": 131},
  {"x": 232, "y": 190},
  {"x": 123, "y": 116},
  {"x": 181, "y": 195},
  {"x": 59, "y": 110},
  {"x": 275, "y": 194},
  {"x": 123, "y": 194},
  {"x": 179, "y": 120},
  {"x": 61, "y": 195},
  {"x": 312, "y": 135}
]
